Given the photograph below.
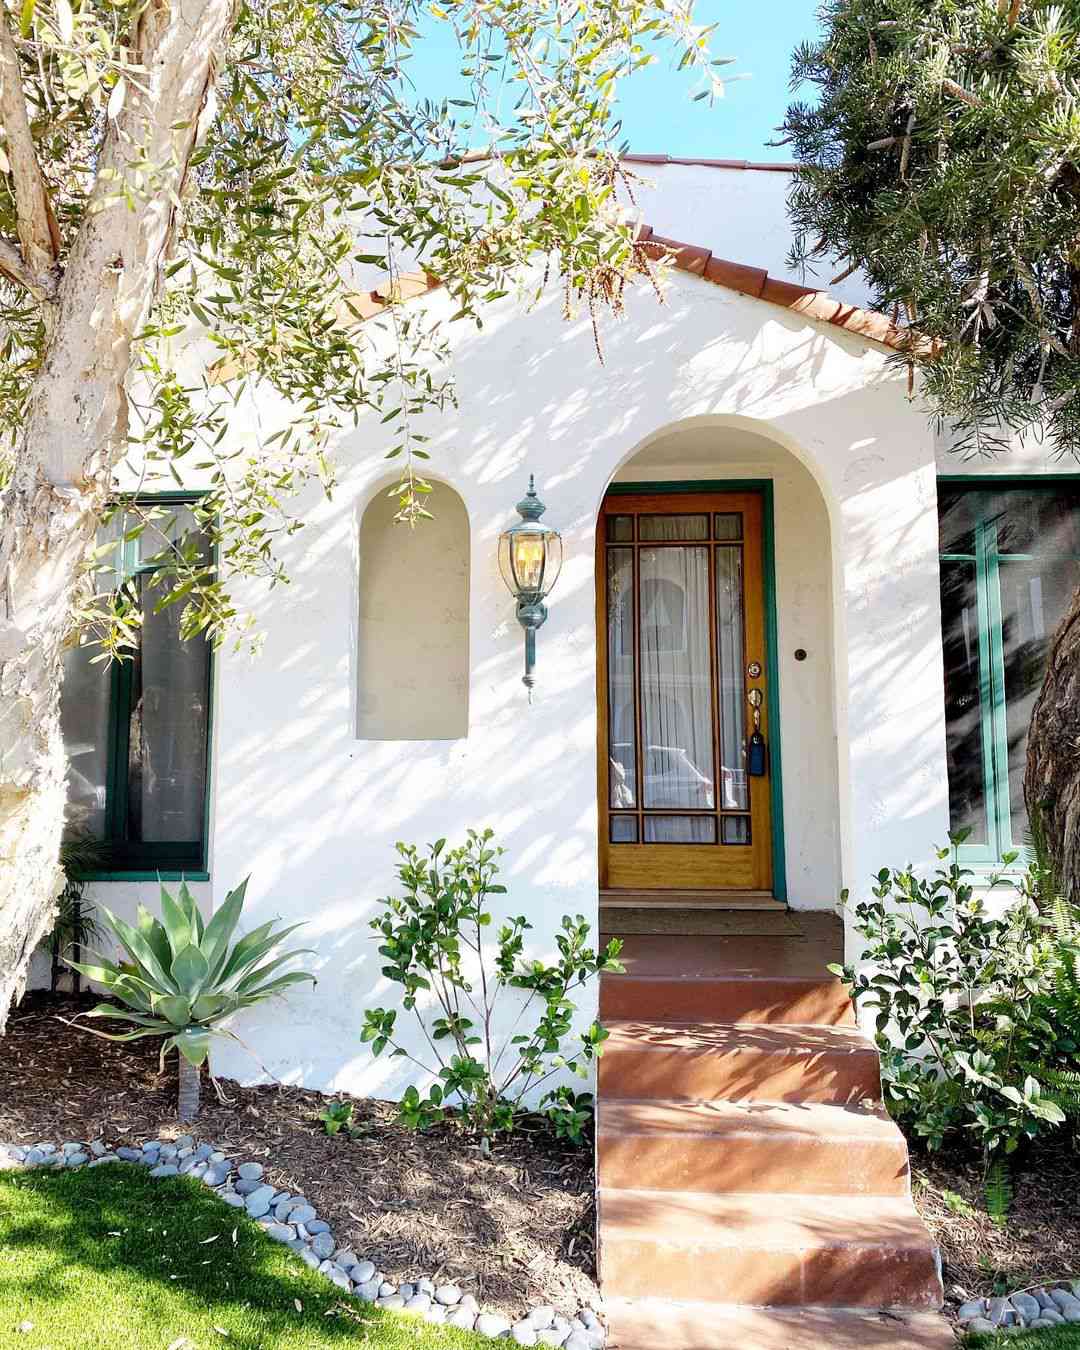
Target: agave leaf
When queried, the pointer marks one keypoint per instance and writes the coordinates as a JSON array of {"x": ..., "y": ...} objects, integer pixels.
[
  {"x": 275, "y": 986},
  {"x": 140, "y": 951},
  {"x": 237, "y": 969},
  {"x": 110, "y": 1010},
  {"x": 213, "y": 1006},
  {"x": 194, "y": 914},
  {"x": 178, "y": 926},
  {"x": 155, "y": 935},
  {"x": 109, "y": 973},
  {"x": 254, "y": 977},
  {"x": 239, "y": 954},
  {"x": 190, "y": 971},
  {"x": 193, "y": 1044},
  {"x": 175, "y": 1008},
  {"x": 128, "y": 1035},
  {"x": 215, "y": 943}
]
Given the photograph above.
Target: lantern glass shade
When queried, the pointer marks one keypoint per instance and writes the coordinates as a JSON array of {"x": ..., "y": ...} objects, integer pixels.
[{"x": 530, "y": 559}]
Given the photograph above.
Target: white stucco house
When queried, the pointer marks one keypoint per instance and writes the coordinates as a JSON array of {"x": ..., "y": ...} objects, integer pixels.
[{"x": 748, "y": 500}]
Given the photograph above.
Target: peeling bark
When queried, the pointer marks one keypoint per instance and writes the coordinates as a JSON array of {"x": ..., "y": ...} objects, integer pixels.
[
  {"x": 1052, "y": 775},
  {"x": 75, "y": 432}
]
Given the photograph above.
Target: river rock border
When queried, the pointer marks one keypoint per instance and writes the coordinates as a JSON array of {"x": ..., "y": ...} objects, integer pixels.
[
  {"x": 289, "y": 1219},
  {"x": 1029, "y": 1308}
]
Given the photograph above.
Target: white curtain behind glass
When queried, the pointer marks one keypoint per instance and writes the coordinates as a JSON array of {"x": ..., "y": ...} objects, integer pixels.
[{"x": 676, "y": 681}]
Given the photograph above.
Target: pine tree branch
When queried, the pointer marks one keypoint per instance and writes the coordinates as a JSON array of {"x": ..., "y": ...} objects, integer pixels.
[
  {"x": 958, "y": 91},
  {"x": 35, "y": 222}
]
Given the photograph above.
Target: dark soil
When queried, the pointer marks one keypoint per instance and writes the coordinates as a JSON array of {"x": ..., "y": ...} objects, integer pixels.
[
  {"x": 515, "y": 1228},
  {"x": 1039, "y": 1241}
]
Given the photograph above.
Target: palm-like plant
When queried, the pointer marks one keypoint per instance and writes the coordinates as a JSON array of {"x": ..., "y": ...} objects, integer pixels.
[{"x": 184, "y": 977}]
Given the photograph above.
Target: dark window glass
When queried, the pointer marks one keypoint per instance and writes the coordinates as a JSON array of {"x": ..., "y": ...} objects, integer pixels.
[
  {"x": 137, "y": 731},
  {"x": 963, "y": 702}
]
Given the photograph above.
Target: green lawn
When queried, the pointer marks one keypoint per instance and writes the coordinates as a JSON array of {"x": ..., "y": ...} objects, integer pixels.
[
  {"x": 1060, "y": 1338},
  {"x": 107, "y": 1259}
]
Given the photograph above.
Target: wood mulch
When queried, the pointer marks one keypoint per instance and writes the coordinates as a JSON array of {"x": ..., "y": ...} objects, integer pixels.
[
  {"x": 1039, "y": 1241},
  {"x": 514, "y": 1229}
]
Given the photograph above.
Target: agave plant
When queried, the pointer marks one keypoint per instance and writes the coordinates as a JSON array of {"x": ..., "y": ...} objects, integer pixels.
[{"x": 184, "y": 977}]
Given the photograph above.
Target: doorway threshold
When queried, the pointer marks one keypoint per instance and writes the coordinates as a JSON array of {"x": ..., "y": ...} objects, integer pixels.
[{"x": 721, "y": 900}]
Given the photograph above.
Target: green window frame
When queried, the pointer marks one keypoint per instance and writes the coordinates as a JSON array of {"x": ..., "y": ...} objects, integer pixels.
[
  {"x": 136, "y": 860},
  {"x": 987, "y": 559}
]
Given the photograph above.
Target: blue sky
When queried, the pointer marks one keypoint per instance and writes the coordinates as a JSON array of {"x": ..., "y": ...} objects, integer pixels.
[{"x": 658, "y": 113}]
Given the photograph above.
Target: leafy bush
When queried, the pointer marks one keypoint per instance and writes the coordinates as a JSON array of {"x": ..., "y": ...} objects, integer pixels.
[
  {"x": 337, "y": 1116},
  {"x": 433, "y": 938},
  {"x": 965, "y": 1003},
  {"x": 183, "y": 978}
]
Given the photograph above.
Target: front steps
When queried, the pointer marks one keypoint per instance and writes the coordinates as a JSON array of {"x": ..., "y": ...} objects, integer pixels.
[{"x": 750, "y": 1185}]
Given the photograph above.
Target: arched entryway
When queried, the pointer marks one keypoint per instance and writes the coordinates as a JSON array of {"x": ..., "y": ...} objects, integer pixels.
[{"x": 715, "y": 674}]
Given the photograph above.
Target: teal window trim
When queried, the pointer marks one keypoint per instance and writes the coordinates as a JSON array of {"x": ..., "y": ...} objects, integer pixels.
[
  {"x": 764, "y": 487},
  {"x": 150, "y": 861},
  {"x": 993, "y": 709}
]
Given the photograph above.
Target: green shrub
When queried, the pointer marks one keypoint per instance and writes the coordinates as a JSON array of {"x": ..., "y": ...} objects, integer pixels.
[
  {"x": 434, "y": 940},
  {"x": 965, "y": 1004},
  {"x": 182, "y": 978}
]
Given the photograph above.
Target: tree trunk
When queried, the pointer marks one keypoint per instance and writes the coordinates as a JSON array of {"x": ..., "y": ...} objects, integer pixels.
[
  {"x": 187, "y": 1104},
  {"x": 1052, "y": 777},
  {"x": 75, "y": 433}
]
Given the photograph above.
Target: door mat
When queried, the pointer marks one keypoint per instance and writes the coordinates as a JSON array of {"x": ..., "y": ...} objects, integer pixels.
[{"x": 671, "y": 922}]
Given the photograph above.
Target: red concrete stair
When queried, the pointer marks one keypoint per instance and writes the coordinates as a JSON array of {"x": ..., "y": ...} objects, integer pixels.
[
  {"x": 743, "y": 1146},
  {"x": 779, "y": 1249},
  {"x": 751, "y": 1189},
  {"x": 645, "y": 1324},
  {"x": 711, "y": 1061}
]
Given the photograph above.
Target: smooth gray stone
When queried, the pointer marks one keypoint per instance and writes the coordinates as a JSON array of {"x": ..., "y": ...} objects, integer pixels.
[
  {"x": 231, "y": 1198},
  {"x": 1053, "y": 1315},
  {"x": 164, "y": 1170},
  {"x": 406, "y": 1291},
  {"x": 301, "y": 1231},
  {"x": 105, "y": 1158},
  {"x": 345, "y": 1257},
  {"x": 363, "y": 1271},
  {"x": 1025, "y": 1305},
  {"x": 976, "y": 1324},
  {"x": 196, "y": 1173},
  {"x": 243, "y": 1187},
  {"x": 250, "y": 1171},
  {"x": 541, "y": 1317},
  {"x": 552, "y": 1336},
  {"x": 281, "y": 1232},
  {"x": 281, "y": 1210},
  {"x": 17, "y": 1154},
  {"x": 279, "y": 1196},
  {"x": 97, "y": 1148},
  {"x": 425, "y": 1286},
  {"x": 417, "y": 1303},
  {"x": 309, "y": 1258},
  {"x": 491, "y": 1324},
  {"x": 189, "y": 1165},
  {"x": 316, "y": 1226},
  {"x": 1043, "y": 1323},
  {"x": 33, "y": 1156},
  {"x": 997, "y": 1311},
  {"x": 168, "y": 1151},
  {"x": 390, "y": 1301},
  {"x": 976, "y": 1308},
  {"x": 71, "y": 1147},
  {"x": 386, "y": 1289},
  {"x": 524, "y": 1333},
  {"x": 128, "y": 1154},
  {"x": 1045, "y": 1301},
  {"x": 591, "y": 1320},
  {"x": 217, "y": 1156},
  {"x": 469, "y": 1302},
  {"x": 436, "y": 1314},
  {"x": 216, "y": 1174},
  {"x": 185, "y": 1141},
  {"x": 300, "y": 1213},
  {"x": 151, "y": 1145},
  {"x": 461, "y": 1317},
  {"x": 185, "y": 1152},
  {"x": 297, "y": 1244},
  {"x": 77, "y": 1159},
  {"x": 45, "y": 1147},
  {"x": 258, "y": 1202},
  {"x": 448, "y": 1295},
  {"x": 322, "y": 1244},
  {"x": 203, "y": 1152},
  {"x": 342, "y": 1280},
  {"x": 1071, "y": 1314},
  {"x": 369, "y": 1290},
  {"x": 1064, "y": 1299}
]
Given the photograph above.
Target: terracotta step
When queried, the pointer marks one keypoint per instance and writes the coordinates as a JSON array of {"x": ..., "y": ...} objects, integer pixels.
[
  {"x": 745, "y": 979},
  {"x": 766, "y": 1250},
  {"x": 737, "y": 1062},
  {"x": 645, "y": 1324},
  {"x": 806, "y": 1147}
]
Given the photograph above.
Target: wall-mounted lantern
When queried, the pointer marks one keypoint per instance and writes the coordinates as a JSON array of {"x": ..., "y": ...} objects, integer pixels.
[{"x": 530, "y": 558}]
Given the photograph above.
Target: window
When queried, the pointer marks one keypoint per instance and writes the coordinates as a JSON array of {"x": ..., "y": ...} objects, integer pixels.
[
  {"x": 1010, "y": 562},
  {"x": 136, "y": 731}
]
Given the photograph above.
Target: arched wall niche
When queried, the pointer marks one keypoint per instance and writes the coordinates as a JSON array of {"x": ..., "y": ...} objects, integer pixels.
[{"x": 413, "y": 631}]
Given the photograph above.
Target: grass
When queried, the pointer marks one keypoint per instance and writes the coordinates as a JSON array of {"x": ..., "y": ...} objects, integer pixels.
[
  {"x": 1060, "y": 1338},
  {"x": 107, "y": 1259}
]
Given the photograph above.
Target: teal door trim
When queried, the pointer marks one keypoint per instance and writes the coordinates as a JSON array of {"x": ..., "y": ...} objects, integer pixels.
[{"x": 763, "y": 486}]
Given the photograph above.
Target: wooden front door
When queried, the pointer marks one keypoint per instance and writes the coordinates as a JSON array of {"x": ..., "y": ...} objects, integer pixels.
[{"x": 681, "y": 641}]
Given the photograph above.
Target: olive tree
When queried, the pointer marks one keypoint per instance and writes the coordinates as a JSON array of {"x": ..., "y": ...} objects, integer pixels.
[
  {"x": 217, "y": 171},
  {"x": 941, "y": 157}
]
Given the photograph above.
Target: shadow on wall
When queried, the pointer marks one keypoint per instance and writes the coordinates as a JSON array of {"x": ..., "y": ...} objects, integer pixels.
[{"x": 313, "y": 813}]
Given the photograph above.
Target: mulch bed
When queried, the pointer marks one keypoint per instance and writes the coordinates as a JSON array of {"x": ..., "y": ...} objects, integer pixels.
[
  {"x": 514, "y": 1229},
  {"x": 1039, "y": 1242}
]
